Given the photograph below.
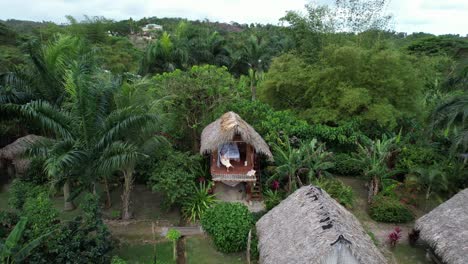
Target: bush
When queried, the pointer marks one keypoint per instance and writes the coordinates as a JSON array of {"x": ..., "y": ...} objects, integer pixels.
[
  {"x": 254, "y": 252},
  {"x": 272, "y": 198},
  {"x": 389, "y": 210},
  {"x": 7, "y": 221},
  {"x": 413, "y": 156},
  {"x": 20, "y": 191},
  {"x": 228, "y": 224},
  {"x": 118, "y": 260},
  {"x": 35, "y": 173},
  {"x": 337, "y": 190},
  {"x": 196, "y": 205},
  {"x": 85, "y": 239},
  {"x": 174, "y": 177},
  {"x": 41, "y": 213},
  {"x": 345, "y": 166}
]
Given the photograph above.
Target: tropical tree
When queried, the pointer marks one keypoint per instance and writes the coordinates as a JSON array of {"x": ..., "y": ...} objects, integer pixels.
[
  {"x": 432, "y": 178},
  {"x": 164, "y": 55},
  {"x": 91, "y": 138},
  {"x": 310, "y": 160},
  {"x": 452, "y": 116},
  {"x": 12, "y": 251},
  {"x": 192, "y": 97},
  {"x": 373, "y": 156},
  {"x": 254, "y": 56}
]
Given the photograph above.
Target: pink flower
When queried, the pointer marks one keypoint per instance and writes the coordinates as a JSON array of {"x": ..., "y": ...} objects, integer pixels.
[
  {"x": 201, "y": 179},
  {"x": 275, "y": 185}
]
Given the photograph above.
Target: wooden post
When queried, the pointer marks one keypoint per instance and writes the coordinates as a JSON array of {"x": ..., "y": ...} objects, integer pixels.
[{"x": 181, "y": 252}]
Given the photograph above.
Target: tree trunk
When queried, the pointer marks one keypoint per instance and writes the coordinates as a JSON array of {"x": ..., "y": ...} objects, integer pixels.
[
  {"x": 127, "y": 189},
  {"x": 373, "y": 189},
  {"x": 67, "y": 205},
  {"x": 108, "y": 197},
  {"x": 253, "y": 90},
  {"x": 195, "y": 145}
]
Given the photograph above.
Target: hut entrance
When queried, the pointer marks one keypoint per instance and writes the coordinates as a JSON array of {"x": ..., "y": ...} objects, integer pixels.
[{"x": 233, "y": 146}]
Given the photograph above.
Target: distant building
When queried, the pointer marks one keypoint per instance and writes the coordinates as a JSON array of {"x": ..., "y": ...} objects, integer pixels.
[{"x": 151, "y": 27}]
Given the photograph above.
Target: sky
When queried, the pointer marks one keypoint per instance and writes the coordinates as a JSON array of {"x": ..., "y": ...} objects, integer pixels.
[{"x": 432, "y": 16}]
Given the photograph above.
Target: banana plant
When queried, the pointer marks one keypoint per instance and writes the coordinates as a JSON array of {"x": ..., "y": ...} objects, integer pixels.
[{"x": 12, "y": 251}]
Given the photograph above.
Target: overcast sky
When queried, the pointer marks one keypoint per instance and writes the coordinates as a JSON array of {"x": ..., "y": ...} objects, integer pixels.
[{"x": 433, "y": 16}]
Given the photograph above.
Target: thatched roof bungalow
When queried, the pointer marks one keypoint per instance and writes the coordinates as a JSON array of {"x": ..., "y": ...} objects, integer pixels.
[
  {"x": 311, "y": 227},
  {"x": 13, "y": 153},
  {"x": 234, "y": 147},
  {"x": 445, "y": 229},
  {"x": 225, "y": 128}
]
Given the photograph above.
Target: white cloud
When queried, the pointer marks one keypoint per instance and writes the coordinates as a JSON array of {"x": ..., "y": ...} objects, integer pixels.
[{"x": 434, "y": 16}]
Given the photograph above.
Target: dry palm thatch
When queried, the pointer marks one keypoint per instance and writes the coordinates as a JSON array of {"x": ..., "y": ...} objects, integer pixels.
[
  {"x": 311, "y": 227},
  {"x": 225, "y": 128},
  {"x": 14, "y": 152},
  {"x": 445, "y": 229}
]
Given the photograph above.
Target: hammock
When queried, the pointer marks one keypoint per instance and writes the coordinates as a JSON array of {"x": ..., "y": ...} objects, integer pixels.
[{"x": 229, "y": 151}]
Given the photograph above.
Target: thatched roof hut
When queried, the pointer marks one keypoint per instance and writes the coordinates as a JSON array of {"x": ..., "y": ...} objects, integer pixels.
[
  {"x": 311, "y": 227},
  {"x": 445, "y": 229},
  {"x": 225, "y": 128},
  {"x": 14, "y": 152}
]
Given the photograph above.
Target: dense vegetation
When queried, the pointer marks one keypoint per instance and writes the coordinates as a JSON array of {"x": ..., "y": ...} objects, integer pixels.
[{"x": 349, "y": 98}]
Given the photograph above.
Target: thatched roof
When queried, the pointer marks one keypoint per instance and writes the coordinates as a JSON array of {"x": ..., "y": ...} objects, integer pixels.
[
  {"x": 311, "y": 227},
  {"x": 14, "y": 152},
  {"x": 445, "y": 229},
  {"x": 225, "y": 128}
]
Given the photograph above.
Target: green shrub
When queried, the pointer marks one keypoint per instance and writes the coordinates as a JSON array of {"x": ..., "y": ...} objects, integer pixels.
[
  {"x": 41, "y": 213},
  {"x": 201, "y": 199},
  {"x": 272, "y": 198},
  {"x": 413, "y": 156},
  {"x": 115, "y": 214},
  {"x": 228, "y": 224},
  {"x": 85, "y": 239},
  {"x": 35, "y": 173},
  {"x": 345, "y": 166},
  {"x": 20, "y": 191},
  {"x": 337, "y": 190},
  {"x": 254, "y": 252},
  {"x": 7, "y": 221},
  {"x": 118, "y": 260},
  {"x": 174, "y": 176},
  {"x": 389, "y": 210}
]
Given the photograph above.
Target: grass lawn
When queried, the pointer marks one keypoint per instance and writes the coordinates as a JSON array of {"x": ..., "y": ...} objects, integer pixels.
[
  {"x": 199, "y": 251},
  {"x": 145, "y": 205},
  {"x": 405, "y": 254}
]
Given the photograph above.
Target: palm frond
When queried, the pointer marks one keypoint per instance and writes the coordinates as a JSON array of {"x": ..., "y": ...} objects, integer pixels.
[{"x": 49, "y": 117}]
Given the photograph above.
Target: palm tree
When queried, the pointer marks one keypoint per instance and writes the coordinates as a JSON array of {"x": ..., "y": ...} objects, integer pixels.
[
  {"x": 92, "y": 140},
  {"x": 310, "y": 158},
  {"x": 373, "y": 157},
  {"x": 45, "y": 77},
  {"x": 432, "y": 178},
  {"x": 452, "y": 115},
  {"x": 254, "y": 55},
  {"x": 165, "y": 54}
]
